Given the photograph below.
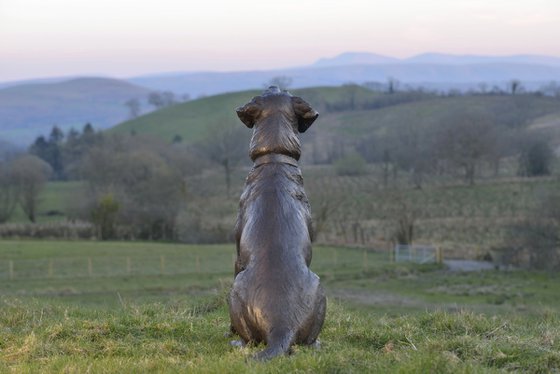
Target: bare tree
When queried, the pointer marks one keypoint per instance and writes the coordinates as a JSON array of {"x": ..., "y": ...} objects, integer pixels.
[
  {"x": 282, "y": 81},
  {"x": 168, "y": 98},
  {"x": 156, "y": 99},
  {"x": 9, "y": 192},
  {"x": 514, "y": 86},
  {"x": 392, "y": 85},
  {"x": 226, "y": 146},
  {"x": 31, "y": 174},
  {"x": 466, "y": 139},
  {"x": 134, "y": 186},
  {"x": 133, "y": 106},
  {"x": 403, "y": 213}
]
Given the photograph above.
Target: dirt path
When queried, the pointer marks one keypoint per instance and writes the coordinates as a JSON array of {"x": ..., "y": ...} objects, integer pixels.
[{"x": 468, "y": 265}]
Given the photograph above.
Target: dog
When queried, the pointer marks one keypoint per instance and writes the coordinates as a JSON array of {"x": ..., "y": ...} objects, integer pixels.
[{"x": 275, "y": 297}]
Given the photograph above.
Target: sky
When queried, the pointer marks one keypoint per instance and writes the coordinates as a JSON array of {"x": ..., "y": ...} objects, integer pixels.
[{"x": 124, "y": 38}]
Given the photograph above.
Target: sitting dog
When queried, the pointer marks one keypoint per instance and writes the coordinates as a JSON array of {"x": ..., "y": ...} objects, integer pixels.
[{"x": 275, "y": 297}]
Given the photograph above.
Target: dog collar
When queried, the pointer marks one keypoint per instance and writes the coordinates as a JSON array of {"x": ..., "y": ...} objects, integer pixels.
[{"x": 271, "y": 158}]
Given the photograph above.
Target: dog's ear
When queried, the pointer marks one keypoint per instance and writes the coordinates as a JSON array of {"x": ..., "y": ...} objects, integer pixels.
[
  {"x": 305, "y": 114},
  {"x": 249, "y": 112}
]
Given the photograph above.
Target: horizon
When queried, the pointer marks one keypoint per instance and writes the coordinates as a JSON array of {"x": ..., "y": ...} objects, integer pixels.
[
  {"x": 130, "y": 38},
  {"x": 202, "y": 71}
]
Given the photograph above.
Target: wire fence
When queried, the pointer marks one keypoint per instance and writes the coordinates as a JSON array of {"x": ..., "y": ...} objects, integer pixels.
[
  {"x": 324, "y": 260},
  {"x": 422, "y": 254},
  {"x": 113, "y": 266}
]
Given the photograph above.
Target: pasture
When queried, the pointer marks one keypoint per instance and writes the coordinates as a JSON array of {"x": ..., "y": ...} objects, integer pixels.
[{"x": 146, "y": 307}]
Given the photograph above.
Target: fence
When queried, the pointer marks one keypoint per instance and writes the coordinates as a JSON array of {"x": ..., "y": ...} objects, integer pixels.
[
  {"x": 422, "y": 254},
  {"x": 110, "y": 266}
]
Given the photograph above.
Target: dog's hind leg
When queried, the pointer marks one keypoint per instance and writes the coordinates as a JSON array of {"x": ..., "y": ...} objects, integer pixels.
[
  {"x": 316, "y": 319},
  {"x": 278, "y": 343}
]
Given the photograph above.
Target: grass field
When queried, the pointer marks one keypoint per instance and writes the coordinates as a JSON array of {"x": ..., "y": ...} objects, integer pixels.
[{"x": 144, "y": 307}]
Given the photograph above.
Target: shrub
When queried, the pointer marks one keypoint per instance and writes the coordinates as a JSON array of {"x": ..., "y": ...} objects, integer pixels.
[{"x": 351, "y": 165}]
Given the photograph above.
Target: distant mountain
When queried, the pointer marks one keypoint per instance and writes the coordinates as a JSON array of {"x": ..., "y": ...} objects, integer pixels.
[
  {"x": 27, "y": 111},
  {"x": 356, "y": 58},
  {"x": 446, "y": 59},
  {"x": 429, "y": 75},
  {"x": 35, "y": 81}
]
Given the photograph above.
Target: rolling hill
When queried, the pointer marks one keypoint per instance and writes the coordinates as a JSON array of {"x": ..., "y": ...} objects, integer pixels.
[
  {"x": 193, "y": 120},
  {"x": 29, "y": 110}
]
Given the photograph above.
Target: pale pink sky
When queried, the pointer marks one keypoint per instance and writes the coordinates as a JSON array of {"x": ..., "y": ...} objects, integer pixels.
[{"x": 42, "y": 38}]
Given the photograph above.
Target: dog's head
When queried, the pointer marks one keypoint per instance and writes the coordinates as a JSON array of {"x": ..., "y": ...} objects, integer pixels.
[{"x": 273, "y": 101}]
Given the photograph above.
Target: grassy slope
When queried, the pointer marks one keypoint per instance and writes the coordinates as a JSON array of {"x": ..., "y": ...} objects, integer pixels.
[
  {"x": 33, "y": 109},
  {"x": 382, "y": 317},
  {"x": 191, "y": 120},
  {"x": 424, "y": 113}
]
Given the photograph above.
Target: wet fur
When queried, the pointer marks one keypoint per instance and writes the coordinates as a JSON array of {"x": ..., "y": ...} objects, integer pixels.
[{"x": 275, "y": 298}]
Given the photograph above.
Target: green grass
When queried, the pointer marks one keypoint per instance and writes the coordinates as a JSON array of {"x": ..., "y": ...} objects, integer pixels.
[
  {"x": 180, "y": 338},
  {"x": 194, "y": 119},
  {"x": 382, "y": 317}
]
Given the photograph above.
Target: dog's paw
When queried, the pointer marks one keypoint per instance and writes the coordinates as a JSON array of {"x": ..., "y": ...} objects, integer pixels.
[{"x": 237, "y": 343}]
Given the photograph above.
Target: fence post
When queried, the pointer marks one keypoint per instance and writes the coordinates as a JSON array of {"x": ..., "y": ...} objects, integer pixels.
[
  {"x": 11, "y": 269},
  {"x": 162, "y": 264},
  {"x": 90, "y": 267},
  {"x": 439, "y": 255}
]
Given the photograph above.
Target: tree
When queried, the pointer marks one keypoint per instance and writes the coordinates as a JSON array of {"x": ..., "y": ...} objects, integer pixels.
[
  {"x": 283, "y": 82},
  {"x": 133, "y": 106},
  {"x": 465, "y": 139},
  {"x": 30, "y": 174},
  {"x": 9, "y": 191},
  {"x": 551, "y": 89},
  {"x": 535, "y": 158},
  {"x": 156, "y": 99},
  {"x": 351, "y": 164},
  {"x": 148, "y": 191},
  {"x": 413, "y": 150},
  {"x": 168, "y": 98},
  {"x": 225, "y": 146},
  {"x": 392, "y": 85},
  {"x": 50, "y": 151},
  {"x": 104, "y": 216},
  {"x": 514, "y": 86},
  {"x": 535, "y": 241}
]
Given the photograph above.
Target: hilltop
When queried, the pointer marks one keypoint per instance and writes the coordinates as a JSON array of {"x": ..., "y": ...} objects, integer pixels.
[
  {"x": 351, "y": 112},
  {"x": 31, "y": 109}
]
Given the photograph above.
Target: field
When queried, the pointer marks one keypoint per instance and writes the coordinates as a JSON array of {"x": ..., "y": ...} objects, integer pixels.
[
  {"x": 467, "y": 221},
  {"x": 145, "y": 307}
]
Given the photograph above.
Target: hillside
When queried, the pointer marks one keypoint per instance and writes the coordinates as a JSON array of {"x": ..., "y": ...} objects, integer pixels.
[
  {"x": 27, "y": 111},
  {"x": 192, "y": 120}
]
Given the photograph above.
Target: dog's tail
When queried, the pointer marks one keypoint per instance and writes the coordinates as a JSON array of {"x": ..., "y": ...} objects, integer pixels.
[{"x": 279, "y": 343}]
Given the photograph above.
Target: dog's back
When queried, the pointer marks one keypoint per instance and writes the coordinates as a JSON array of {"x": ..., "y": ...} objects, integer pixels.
[{"x": 275, "y": 297}]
